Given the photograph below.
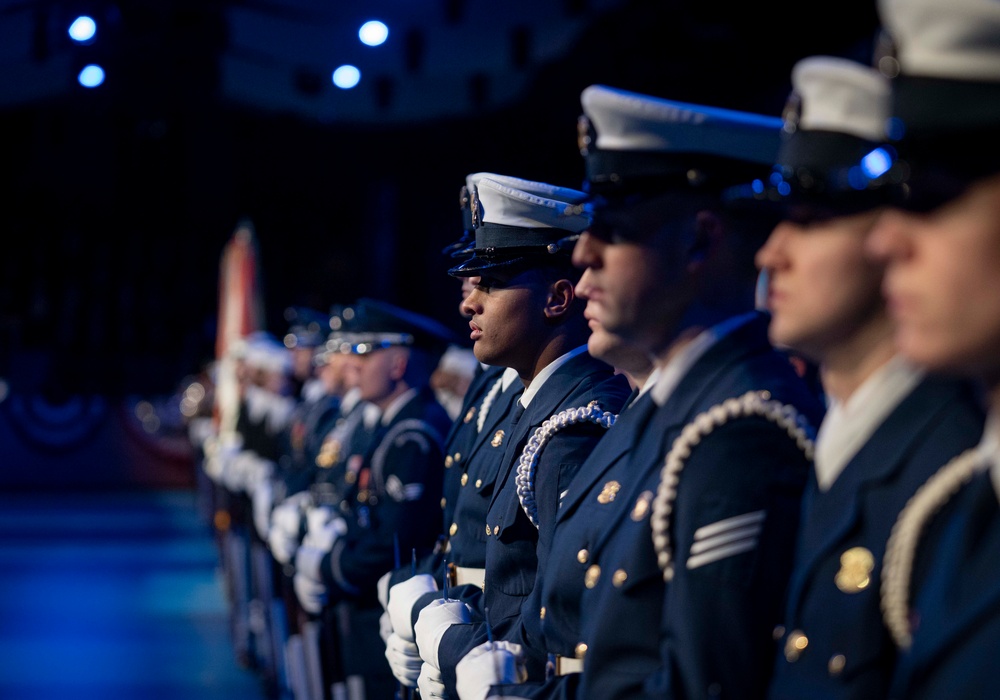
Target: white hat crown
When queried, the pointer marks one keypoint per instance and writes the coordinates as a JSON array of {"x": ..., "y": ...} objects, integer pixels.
[{"x": 840, "y": 95}]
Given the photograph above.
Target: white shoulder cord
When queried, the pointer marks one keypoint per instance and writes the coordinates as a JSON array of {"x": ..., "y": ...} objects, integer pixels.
[
  {"x": 528, "y": 461},
  {"x": 900, "y": 550},
  {"x": 751, "y": 404},
  {"x": 487, "y": 404}
]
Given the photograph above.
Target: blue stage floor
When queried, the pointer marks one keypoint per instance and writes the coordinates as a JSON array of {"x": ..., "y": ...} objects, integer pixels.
[{"x": 113, "y": 597}]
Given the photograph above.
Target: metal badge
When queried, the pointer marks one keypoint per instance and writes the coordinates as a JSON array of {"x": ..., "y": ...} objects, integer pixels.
[
  {"x": 329, "y": 453},
  {"x": 497, "y": 438},
  {"x": 856, "y": 566},
  {"x": 609, "y": 492},
  {"x": 641, "y": 509},
  {"x": 469, "y": 415},
  {"x": 477, "y": 216}
]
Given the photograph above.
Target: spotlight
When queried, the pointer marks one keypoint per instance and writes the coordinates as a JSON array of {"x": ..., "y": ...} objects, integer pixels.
[
  {"x": 373, "y": 33},
  {"x": 91, "y": 76},
  {"x": 346, "y": 77},
  {"x": 83, "y": 29}
]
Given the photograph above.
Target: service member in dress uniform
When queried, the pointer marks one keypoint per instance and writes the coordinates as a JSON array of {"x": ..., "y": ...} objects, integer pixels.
[
  {"x": 888, "y": 425},
  {"x": 395, "y": 494},
  {"x": 471, "y": 467},
  {"x": 672, "y": 549},
  {"x": 941, "y": 576},
  {"x": 526, "y": 316}
]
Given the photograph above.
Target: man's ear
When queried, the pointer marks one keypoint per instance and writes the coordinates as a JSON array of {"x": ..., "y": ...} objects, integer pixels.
[
  {"x": 400, "y": 360},
  {"x": 560, "y": 299}
]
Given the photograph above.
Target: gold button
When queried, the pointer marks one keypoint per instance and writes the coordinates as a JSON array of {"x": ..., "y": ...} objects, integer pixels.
[
  {"x": 592, "y": 575},
  {"x": 619, "y": 577},
  {"x": 496, "y": 529},
  {"x": 458, "y": 457},
  {"x": 641, "y": 508},
  {"x": 795, "y": 644},
  {"x": 581, "y": 650},
  {"x": 541, "y": 613},
  {"x": 453, "y": 529},
  {"x": 465, "y": 479},
  {"x": 487, "y": 529},
  {"x": 448, "y": 461},
  {"x": 836, "y": 665},
  {"x": 444, "y": 502},
  {"x": 778, "y": 632},
  {"x": 582, "y": 556},
  {"x": 479, "y": 483}
]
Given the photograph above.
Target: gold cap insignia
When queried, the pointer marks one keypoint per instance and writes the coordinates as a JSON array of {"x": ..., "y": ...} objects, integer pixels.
[{"x": 856, "y": 566}]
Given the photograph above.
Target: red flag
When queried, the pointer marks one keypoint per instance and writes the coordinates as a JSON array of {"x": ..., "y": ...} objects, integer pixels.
[{"x": 241, "y": 312}]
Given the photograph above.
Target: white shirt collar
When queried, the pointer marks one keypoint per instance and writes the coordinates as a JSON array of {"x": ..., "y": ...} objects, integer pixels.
[
  {"x": 670, "y": 375},
  {"x": 847, "y": 426},
  {"x": 541, "y": 377},
  {"x": 397, "y": 404}
]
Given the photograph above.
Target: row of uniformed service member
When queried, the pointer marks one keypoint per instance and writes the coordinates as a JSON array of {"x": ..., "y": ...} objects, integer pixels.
[{"x": 722, "y": 531}]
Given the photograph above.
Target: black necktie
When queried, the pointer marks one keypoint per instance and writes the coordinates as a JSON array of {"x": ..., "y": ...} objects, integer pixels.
[{"x": 516, "y": 411}]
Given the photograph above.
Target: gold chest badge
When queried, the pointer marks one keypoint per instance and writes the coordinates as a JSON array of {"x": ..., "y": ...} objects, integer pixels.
[
  {"x": 497, "y": 438},
  {"x": 609, "y": 492},
  {"x": 856, "y": 566},
  {"x": 470, "y": 414},
  {"x": 329, "y": 453}
]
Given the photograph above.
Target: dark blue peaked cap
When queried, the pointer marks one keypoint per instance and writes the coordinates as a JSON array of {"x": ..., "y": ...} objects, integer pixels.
[
  {"x": 379, "y": 324},
  {"x": 307, "y": 328}
]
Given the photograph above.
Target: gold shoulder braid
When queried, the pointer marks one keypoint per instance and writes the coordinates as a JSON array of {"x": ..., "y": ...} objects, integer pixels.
[
  {"x": 525, "y": 478},
  {"x": 751, "y": 404},
  {"x": 900, "y": 550}
]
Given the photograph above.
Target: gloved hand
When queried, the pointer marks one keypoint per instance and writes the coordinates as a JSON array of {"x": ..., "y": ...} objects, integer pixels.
[
  {"x": 219, "y": 450},
  {"x": 261, "y": 502},
  {"x": 311, "y": 594},
  {"x": 404, "y": 660},
  {"x": 489, "y": 664},
  {"x": 323, "y": 528},
  {"x": 430, "y": 684},
  {"x": 402, "y": 596},
  {"x": 433, "y": 621},
  {"x": 258, "y": 472},
  {"x": 308, "y": 560},
  {"x": 382, "y": 589},
  {"x": 384, "y": 626},
  {"x": 286, "y": 522}
]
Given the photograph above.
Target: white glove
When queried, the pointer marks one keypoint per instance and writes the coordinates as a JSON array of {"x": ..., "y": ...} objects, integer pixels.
[
  {"x": 404, "y": 660},
  {"x": 402, "y": 596},
  {"x": 323, "y": 527},
  {"x": 237, "y": 470},
  {"x": 308, "y": 560},
  {"x": 286, "y": 520},
  {"x": 310, "y": 593},
  {"x": 382, "y": 588},
  {"x": 384, "y": 627},
  {"x": 433, "y": 621},
  {"x": 261, "y": 501},
  {"x": 489, "y": 664},
  {"x": 259, "y": 472},
  {"x": 430, "y": 684}
]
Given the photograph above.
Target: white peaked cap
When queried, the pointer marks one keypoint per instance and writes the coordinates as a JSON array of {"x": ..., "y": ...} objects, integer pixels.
[
  {"x": 505, "y": 205},
  {"x": 954, "y": 39},
  {"x": 837, "y": 94}
]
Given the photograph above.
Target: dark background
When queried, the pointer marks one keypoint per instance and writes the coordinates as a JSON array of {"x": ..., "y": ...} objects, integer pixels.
[{"x": 115, "y": 203}]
